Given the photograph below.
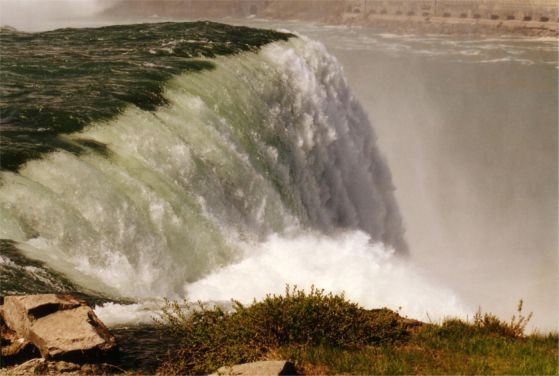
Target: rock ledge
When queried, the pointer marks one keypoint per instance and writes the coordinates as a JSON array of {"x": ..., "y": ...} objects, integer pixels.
[{"x": 60, "y": 327}]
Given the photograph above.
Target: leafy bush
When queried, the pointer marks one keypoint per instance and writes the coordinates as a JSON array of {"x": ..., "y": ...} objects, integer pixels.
[{"x": 212, "y": 337}]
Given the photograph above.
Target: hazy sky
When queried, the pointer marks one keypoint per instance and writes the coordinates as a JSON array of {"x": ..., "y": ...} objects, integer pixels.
[{"x": 35, "y": 15}]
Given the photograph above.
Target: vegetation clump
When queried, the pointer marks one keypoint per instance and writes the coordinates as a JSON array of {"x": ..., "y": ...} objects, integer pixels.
[
  {"x": 212, "y": 337},
  {"x": 323, "y": 333},
  {"x": 490, "y": 323}
]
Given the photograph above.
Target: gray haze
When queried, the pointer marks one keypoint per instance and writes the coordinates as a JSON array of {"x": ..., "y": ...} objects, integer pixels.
[
  {"x": 39, "y": 15},
  {"x": 473, "y": 152},
  {"x": 469, "y": 129}
]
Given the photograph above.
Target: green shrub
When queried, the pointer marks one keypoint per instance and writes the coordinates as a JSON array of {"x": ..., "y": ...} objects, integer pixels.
[
  {"x": 212, "y": 337},
  {"x": 326, "y": 334}
]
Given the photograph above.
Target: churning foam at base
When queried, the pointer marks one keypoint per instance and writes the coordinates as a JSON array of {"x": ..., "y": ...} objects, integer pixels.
[
  {"x": 368, "y": 273},
  {"x": 114, "y": 314}
]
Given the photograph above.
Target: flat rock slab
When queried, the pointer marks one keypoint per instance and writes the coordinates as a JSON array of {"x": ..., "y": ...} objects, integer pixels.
[
  {"x": 263, "y": 368},
  {"x": 60, "y": 326},
  {"x": 20, "y": 311},
  {"x": 63, "y": 333}
]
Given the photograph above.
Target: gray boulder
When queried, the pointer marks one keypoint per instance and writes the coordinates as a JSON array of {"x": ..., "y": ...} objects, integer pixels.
[
  {"x": 262, "y": 368},
  {"x": 60, "y": 326},
  {"x": 21, "y": 311}
]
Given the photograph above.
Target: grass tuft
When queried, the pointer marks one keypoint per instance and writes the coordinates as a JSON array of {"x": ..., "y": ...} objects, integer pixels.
[{"x": 492, "y": 324}]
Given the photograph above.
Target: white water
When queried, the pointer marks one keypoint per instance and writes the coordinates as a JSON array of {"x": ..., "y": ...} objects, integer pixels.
[
  {"x": 262, "y": 172},
  {"x": 368, "y": 273}
]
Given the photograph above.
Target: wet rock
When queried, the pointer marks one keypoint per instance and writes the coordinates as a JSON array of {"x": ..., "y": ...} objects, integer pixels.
[
  {"x": 263, "y": 368},
  {"x": 60, "y": 326}
]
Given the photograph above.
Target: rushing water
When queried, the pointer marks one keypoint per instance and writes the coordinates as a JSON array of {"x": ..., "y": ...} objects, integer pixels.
[
  {"x": 148, "y": 160},
  {"x": 468, "y": 124},
  {"x": 210, "y": 162}
]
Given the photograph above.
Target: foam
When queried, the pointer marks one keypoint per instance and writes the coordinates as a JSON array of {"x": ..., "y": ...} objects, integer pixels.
[
  {"x": 115, "y": 315},
  {"x": 368, "y": 273}
]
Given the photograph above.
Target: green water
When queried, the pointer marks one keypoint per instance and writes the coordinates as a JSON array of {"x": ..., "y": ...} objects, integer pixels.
[{"x": 60, "y": 81}]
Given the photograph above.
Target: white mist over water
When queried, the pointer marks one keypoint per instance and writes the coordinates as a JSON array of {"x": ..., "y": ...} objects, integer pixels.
[
  {"x": 468, "y": 125},
  {"x": 368, "y": 273},
  {"x": 472, "y": 148}
]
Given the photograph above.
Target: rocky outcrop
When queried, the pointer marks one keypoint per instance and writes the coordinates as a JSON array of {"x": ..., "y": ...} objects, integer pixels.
[
  {"x": 44, "y": 367},
  {"x": 15, "y": 348},
  {"x": 262, "y": 368},
  {"x": 21, "y": 311},
  {"x": 60, "y": 326}
]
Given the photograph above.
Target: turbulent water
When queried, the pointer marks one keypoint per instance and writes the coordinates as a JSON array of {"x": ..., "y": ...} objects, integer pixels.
[
  {"x": 197, "y": 160},
  {"x": 468, "y": 124}
]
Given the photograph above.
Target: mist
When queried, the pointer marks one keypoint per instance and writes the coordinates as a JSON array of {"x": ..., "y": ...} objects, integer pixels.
[
  {"x": 40, "y": 15},
  {"x": 472, "y": 150}
]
